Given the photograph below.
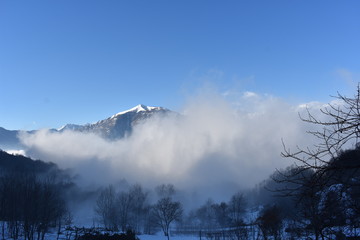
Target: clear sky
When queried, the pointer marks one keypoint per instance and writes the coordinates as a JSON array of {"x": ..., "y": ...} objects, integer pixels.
[{"x": 81, "y": 61}]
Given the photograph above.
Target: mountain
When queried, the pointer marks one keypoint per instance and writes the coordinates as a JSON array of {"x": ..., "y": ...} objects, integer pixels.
[
  {"x": 9, "y": 139},
  {"x": 112, "y": 128},
  {"x": 120, "y": 124}
]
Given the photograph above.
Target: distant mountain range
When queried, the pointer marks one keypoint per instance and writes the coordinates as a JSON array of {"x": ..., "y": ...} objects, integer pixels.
[
  {"x": 112, "y": 128},
  {"x": 9, "y": 139}
]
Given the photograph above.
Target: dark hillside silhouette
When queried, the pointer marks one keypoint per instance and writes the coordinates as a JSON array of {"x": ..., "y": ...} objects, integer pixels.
[
  {"x": 17, "y": 163},
  {"x": 345, "y": 169}
]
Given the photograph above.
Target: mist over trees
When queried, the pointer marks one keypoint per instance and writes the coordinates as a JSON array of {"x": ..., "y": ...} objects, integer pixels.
[
  {"x": 123, "y": 210},
  {"x": 317, "y": 197}
]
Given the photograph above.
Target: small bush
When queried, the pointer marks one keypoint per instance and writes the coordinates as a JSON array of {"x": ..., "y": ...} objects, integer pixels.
[{"x": 129, "y": 235}]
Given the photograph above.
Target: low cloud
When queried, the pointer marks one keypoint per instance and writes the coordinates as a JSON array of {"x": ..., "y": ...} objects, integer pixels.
[{"x": 214, "y": 146}]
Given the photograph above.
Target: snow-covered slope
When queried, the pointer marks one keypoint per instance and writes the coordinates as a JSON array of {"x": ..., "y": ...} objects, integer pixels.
[
  {"x": 139, "y": 108},
  {"x": 120, "y": 124}
]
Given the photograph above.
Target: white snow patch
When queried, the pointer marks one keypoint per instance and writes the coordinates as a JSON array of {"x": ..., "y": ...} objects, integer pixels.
[
  {"x": 16, "y": 152},
  {"x": 136, "y": 109},
  {"x": 61, "y": 128}
]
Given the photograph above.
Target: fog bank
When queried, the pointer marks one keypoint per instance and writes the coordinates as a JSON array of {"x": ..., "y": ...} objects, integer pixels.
[{"x": 215, "y": 147}]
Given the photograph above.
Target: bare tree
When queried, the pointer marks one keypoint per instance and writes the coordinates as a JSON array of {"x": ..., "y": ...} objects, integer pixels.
[
  {"x": 165, "y": 211},
  {"x": 106, "y": 208},
  {"x": 236, "y": 208},
  {"x": 139, "y": 206},
  {"x": 51, "y": 207},
  {"x": 123, "y": 204},
  {"x": 340, "y": 129},
  {"x": 270, "y": 222},
  {"x": 207, "y": 216},
  {"x": 320, "y": 167}
]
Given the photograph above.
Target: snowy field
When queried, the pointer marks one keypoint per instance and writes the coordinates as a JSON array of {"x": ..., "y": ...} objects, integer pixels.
[
  {"x": 162, "y": 237},
  {"x": 159, "y": 236},
  {"x": 52, "y": 236}
]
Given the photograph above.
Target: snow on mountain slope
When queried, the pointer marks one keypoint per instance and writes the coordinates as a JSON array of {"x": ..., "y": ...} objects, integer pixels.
[
  {"x": 112, "y": 128},
  {"x": 139, "y": 108},
  {"x": 120, "y": 124},
  {"x": 73, "y": 127}
]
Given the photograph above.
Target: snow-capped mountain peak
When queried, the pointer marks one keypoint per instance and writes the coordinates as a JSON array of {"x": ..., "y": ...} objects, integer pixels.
[
  {"x": 120, "y": 124},
  {"x": 137, "y": 109}
]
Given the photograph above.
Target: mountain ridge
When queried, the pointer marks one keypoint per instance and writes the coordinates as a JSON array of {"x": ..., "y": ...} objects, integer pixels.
[{"x": 114, "y": 127}]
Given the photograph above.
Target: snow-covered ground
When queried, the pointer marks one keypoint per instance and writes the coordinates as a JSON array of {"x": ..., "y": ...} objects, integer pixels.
[
  {"x": 162, "y": 237},
  {"x": 158, "y": 236}
]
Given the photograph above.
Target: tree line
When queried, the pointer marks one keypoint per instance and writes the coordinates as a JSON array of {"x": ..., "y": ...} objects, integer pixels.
[
  {"x": 318, "y": 197},
  {"x": 131, "y": 209},
  {"x": 29, "y": 206},
  {"x": 32, "y": 197}
]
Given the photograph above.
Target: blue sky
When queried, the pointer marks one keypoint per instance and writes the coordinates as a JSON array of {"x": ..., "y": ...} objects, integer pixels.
[{"x": 81, "y": 61}]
